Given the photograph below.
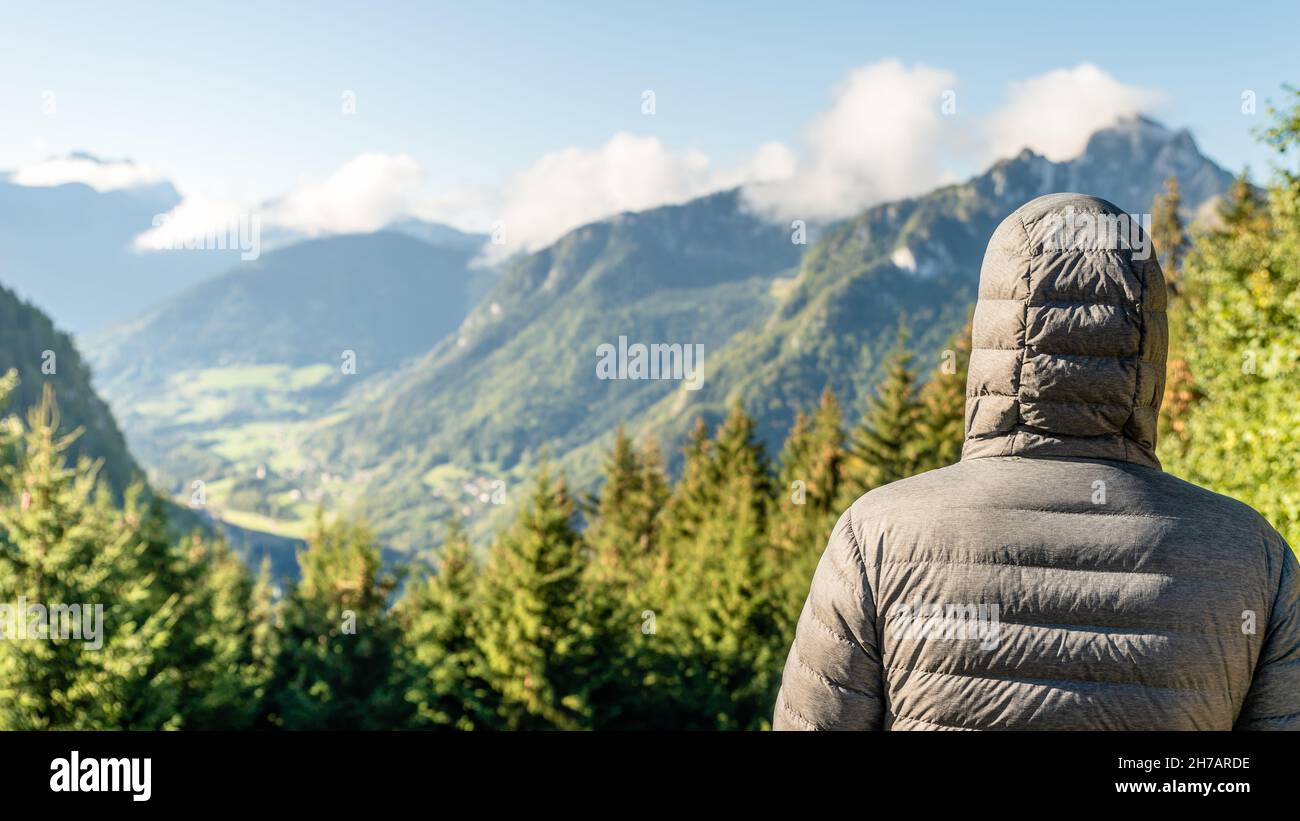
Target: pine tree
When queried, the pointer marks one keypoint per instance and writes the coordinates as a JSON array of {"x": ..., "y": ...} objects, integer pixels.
[
  {"x": 536, "y": 632},
  {"x": 941, "y": 425},
  {"x": 883, "y": 446},
  {"x": 725, "y": 593},
  {"x": 265, "y": 612},
  {"x": 694, "y": 493},
  {"x": 63, "y": 548},
  {"x": 1167, "y": 233},
  {"x": 809, "y": 490},
  {"x": 1242, "y": 209},
  {"x": 622, "y": 531},
  {"x": 624, "y": 585},
  {"x": 438, "y": 611},
  {"x": 225, "y": 675},
  {"x": 339, "y": 664}
]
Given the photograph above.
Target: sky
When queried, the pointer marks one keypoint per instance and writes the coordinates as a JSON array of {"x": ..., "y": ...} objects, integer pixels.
[{"x": 536, "y": 115}]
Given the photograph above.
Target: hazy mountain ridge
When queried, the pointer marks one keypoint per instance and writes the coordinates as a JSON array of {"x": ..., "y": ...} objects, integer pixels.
[
  {"x": 68, "y": 250},
  {"x": 211, "y": 384}
]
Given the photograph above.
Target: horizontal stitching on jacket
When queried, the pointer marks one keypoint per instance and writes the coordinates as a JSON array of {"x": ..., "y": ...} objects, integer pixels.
[
  {"x": 1061, "y": 438},
  {"x": 1023, "y": 401},
  {"x": 1063, "y": 251},
  {"x": 1052, "y": 683},
  {"x": 1038, "y": 351},
  {"x": 1039, "y": 511},
  {"x": 1082, "y": 303},
  {"x": 842, "y": 576},
  {"x": 898, "y": 715},
  {"x": 1061, "y": 303},
  {"x": 1286, "y": 717},
  {"x": 834, "y": 685},
  {"x": 1021, "y": 566},
  {"x": 1090, "y": 628},
  {"x": 831, "y": 630},
  {"x": 785, "y": 705},
  {"x": 1278, "y": 664}
]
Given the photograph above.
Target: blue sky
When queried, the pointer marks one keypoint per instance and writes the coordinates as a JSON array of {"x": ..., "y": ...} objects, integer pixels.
[{"x": 241, "y": 101}]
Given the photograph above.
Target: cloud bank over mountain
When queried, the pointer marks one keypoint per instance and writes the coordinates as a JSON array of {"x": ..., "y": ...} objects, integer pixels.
[
  {"x": 889, "y": 130},
  {"x": 892, "y": 131},
  {"x": 101, "y": 175},
  {"x": 1054, "y": 113}
]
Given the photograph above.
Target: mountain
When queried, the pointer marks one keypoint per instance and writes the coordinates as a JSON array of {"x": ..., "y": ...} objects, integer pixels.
[
  {"x": 28, "y": 341},
  {"x": 384, "y": 295},
  {"x": 519, "y": 374},
  {"x": 237, "y": 381},
  {"x": 208, "y": 383},
  {"x": 918, "y": 257},
  {"x": 438, "y": 235},
  {"x": 68, "y": 250},
  {"x": 482, "y": 277},
  {"x": 778, "y": 323}
]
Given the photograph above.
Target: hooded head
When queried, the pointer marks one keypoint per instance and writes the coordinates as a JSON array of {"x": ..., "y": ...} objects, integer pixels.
[{"x": 1069, "y": 336}]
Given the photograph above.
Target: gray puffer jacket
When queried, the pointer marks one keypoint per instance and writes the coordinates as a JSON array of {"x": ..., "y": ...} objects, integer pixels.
[{"x": 1055, "y": 578}]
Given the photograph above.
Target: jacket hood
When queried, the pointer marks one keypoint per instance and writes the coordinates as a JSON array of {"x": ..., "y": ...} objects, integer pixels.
[{"x": 1069, "y": 336}]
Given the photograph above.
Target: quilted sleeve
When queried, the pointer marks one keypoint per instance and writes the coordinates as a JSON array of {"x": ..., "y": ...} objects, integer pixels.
[
  {"x": 832, "y": 678},
  {"x": 1273, "y": 702}
]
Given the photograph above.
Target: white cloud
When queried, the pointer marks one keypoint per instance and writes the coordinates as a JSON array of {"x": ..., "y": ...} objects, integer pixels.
[
  {"x": 882, "y": 138},
  {"x": 571, "y": 187},
  {"x": 101, "y": 175},
  {"x": 195, "y": 217},
  {"x": 1055, "y": 113},
  {"x": 365, "y": 194}
]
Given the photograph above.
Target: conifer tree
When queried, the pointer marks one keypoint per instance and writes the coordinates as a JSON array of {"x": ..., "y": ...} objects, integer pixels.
[
  {"x": 535, "y": 630},
  {"x": 808, "y": 493},
  {"x": 941, "y": 426},
  {"x": 265, "y": 612},
  {"x": 224, "y": 674},
  {"x": 624, "y": 586},
  {"x": 89, "y": 659},
  {"x": 339, "y": 664},
  {"x": 1242, "y": 208},
  {"x": 695, "y": 491},
  {"x": 725, "y": 591},
  {"x": 621, "y": 534},
  {"x": 883, "y": 446},
  {"x": 1167, "y": 233},
  {"x": 438, "y": 612}
]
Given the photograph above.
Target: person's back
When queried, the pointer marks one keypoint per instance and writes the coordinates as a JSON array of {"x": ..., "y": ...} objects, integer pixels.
[{"x": 1055, "y": 578}]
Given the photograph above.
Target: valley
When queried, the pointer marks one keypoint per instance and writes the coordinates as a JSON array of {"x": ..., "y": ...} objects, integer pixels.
[{"x": 462, "y": 380}]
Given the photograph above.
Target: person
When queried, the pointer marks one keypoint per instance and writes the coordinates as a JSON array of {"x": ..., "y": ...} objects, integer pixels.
[{"x": 1055, "y": 578}]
